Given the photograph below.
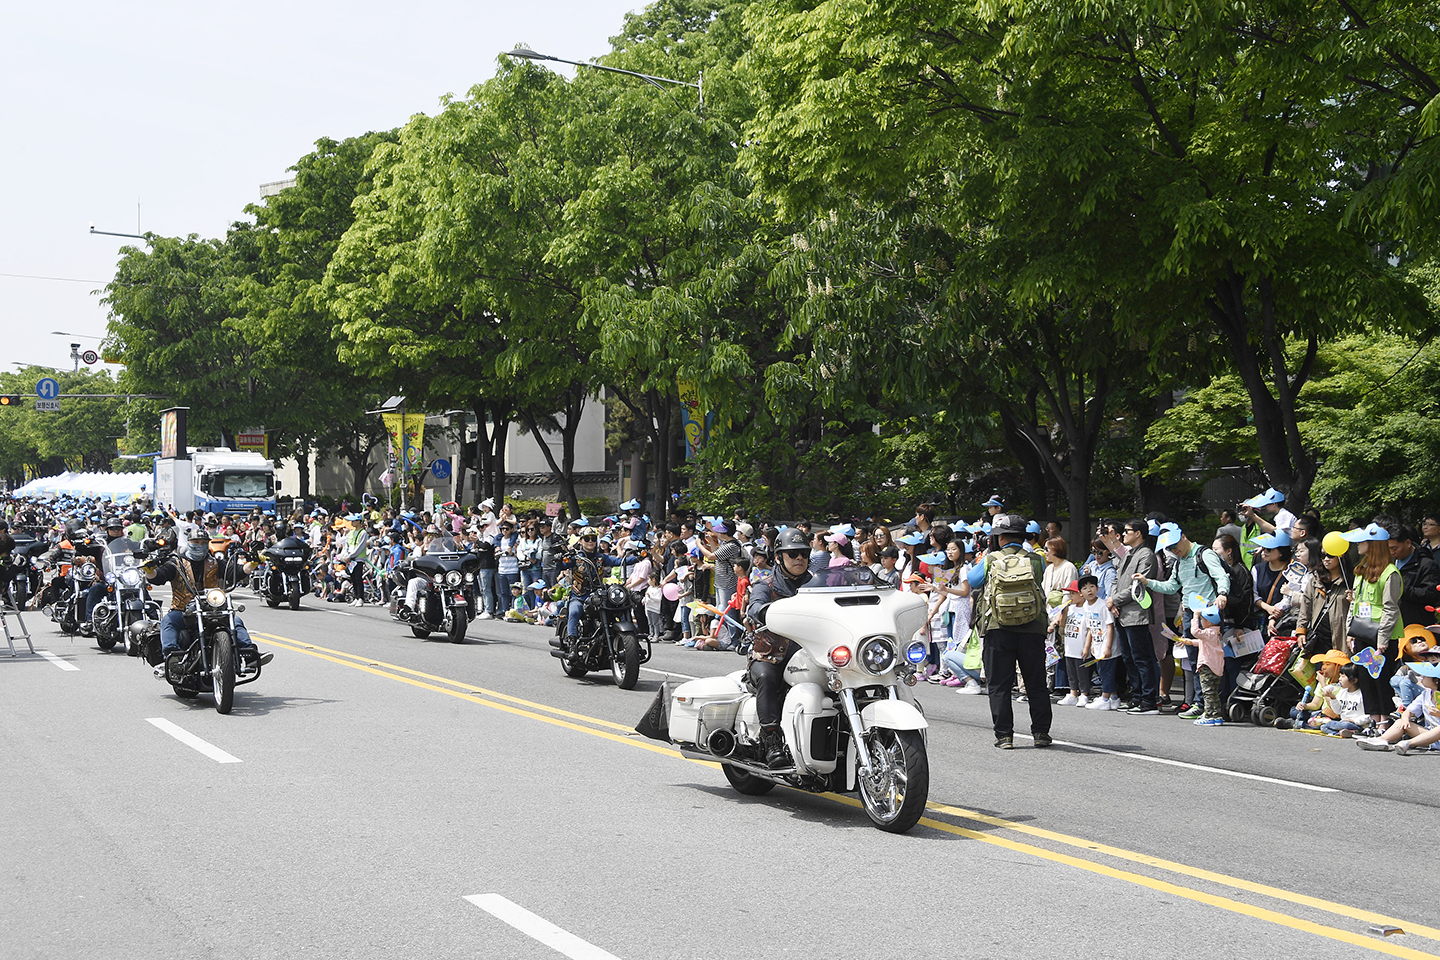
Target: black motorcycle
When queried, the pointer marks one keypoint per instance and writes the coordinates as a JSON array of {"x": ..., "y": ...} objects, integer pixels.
[
  {"x": 78, "y": 574},
  {"x": 284, "y": 573},
  {"x": 210, "y": 660},
  {"x": 27, "y": 570},
  {"x": 608, "y": 636},
  {"x": 126, "y": 601},
  {"x": 447, "y": 594}
]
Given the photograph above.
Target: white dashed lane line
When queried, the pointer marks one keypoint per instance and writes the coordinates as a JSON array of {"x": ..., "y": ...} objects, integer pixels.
[
  {"x": 538, "y": 928},
  {"x": 62, "y": 664},
  {"x": 192, "y": 741}
]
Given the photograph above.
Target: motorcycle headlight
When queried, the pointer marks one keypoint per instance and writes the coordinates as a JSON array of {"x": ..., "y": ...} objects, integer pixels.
[
  {"x": 469, "y": 578},
  {"x": 87, "y": 571},
  {"x": 616, "y": 596},
  {"x": 877, "y": 655},
  {"x": 215, "y": 597},
  {"x": 453, "y": 578},
  {"x": 130, "y": 577},
  {"x": 916, "y": 653}
]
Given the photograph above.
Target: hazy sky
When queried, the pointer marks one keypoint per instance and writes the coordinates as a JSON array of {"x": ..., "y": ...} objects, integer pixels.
[{"x": 189, "y": 107}]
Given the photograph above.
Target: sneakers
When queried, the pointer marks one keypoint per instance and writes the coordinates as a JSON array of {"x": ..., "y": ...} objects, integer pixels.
[
  {"x": 951, "y": 682},
  {"x": 1284, "y": 723},
  {"x": 1374, "y": 743},
  {"x": 1082, "y": 701},
  {"x": 1141, "y": 710},
  {"x": 1067, "y": 701},
  {"x": 1210, "y": 722},
  {"x": 484, "y": 615},
  {"x": 1005, "y": 743},
  {"x": 1403, "y": 748},
  {"x": 970, "y": 687},
  {"x": 1192, "y": 713},
  {"x": 1042, "y": 740},
  {"x": 1102, "y": 704}
]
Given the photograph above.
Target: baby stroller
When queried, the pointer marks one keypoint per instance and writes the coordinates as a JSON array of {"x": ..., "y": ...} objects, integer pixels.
[{"x": 1268, "y": 691}]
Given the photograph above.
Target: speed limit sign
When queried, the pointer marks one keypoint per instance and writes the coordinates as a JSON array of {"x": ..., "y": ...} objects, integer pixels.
[{"x": 90, "y": 356}]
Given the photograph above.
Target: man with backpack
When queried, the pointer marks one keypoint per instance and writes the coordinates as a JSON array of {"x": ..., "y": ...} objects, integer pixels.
[{"x": 1011, "y": 616}]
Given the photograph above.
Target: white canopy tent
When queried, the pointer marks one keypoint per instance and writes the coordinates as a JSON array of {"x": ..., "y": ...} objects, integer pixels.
[{"x": 120, "y": 487}]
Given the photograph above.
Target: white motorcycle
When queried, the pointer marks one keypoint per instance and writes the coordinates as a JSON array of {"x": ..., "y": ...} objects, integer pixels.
[{"x": 849, "y": 719}]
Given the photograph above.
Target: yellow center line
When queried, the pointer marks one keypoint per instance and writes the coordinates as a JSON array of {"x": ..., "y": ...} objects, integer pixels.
[
  {"x": 1199, "y": 896},
  {"x": 303, "y": 647}
]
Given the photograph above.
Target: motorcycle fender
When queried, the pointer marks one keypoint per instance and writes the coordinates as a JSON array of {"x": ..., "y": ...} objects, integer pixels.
[
  {"x": 893, "y": 715},
  {"x": 624, "y": 626}
]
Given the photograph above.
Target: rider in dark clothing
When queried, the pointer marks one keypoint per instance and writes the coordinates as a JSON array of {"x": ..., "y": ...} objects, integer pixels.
[{"x": 770, "y": 652}]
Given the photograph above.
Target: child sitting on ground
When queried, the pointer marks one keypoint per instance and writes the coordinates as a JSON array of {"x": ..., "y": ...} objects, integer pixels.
[
  {"x": 519, "y": 609},
  {"x": 1307, "y": 713},
  {"x": 1419, "y": 724},
  {"x": 1342, "y": 703}
]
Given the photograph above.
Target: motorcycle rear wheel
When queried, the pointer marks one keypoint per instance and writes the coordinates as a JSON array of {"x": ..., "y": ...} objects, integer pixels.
[
  {"x": 574, "y": 667},
  {"x": 746, "y": 783},
  {"x": 625, "y": 665},
  {"x": 222, "y": 672},
  {"x": 897, "y": 801}
]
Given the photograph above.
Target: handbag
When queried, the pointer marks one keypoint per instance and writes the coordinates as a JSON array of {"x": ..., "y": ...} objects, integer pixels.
[
  {"x": 1363, "y": 631},
  {"x": 973, "y": 656}
]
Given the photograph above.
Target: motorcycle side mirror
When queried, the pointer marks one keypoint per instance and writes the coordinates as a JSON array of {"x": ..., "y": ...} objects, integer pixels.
[{"x": 239, "y": 608}]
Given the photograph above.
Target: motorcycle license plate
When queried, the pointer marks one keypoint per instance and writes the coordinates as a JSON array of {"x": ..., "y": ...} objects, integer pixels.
[{"x": 460, "y": 598}]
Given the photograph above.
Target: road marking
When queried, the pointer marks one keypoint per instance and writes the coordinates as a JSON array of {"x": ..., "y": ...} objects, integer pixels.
[
  {"x": 338, "y": 613},
  {"x": 62, "y": 664},
  {"x": 1223, "y": 903},
  {"x": 1190, "y": 766},
  {"x": 1197, "y": 873},
  {"x": 192, "y": 741},
  {"x": 538, "y": 928},
  {"x": 669, "y": 673}
]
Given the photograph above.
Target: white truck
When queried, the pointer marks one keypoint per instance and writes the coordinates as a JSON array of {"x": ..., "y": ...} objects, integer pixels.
[{"x": 216, "y": 480}]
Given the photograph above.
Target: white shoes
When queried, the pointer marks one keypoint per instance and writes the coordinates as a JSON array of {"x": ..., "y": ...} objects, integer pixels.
[
  {"x": 970, "y": 687},
  {"x": 1067, "y": 701},
  {"x": 483, "y": 615},
  {"x": 1082, "y": 701},
  {"x": 1105, "y": 703}
]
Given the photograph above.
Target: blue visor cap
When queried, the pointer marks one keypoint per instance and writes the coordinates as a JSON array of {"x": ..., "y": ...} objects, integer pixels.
[
  {"x": 1268, "y": 497},
  {"x": 993, "y": 502},
  {"x": 1273, "y": 541},
  {"x": 933, "y": 558},
  {"x": 630, "y": 505},
  {"x": 1169, "y": 536},
  {"x": 1372, "y": 532},
  {"x": 914, "y": 540}
]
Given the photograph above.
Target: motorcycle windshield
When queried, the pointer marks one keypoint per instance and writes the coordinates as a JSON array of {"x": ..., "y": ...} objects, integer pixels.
[
  {"x": 854, "y": 578},
  {"x": 119, "y": 554}
]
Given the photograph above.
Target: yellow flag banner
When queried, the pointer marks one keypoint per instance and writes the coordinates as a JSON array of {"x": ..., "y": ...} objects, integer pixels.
[
  {"x": 407, "y": 439},
  {"x": 694, "y": 417}
]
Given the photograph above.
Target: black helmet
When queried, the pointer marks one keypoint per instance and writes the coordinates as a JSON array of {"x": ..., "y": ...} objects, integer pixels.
[{"x": 792, "y": 540}]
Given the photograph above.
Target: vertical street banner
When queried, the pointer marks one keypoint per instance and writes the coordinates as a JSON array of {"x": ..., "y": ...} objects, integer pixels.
[
  {"x": 253, "y": 439},
  {"x": 695, "y": 419},
  {"x": 407, "y": 439},
  {"x": 172, "y": 433}
]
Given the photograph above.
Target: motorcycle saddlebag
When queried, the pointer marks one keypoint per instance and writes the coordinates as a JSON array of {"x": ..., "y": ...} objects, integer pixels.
[{"x": 656, "y": 722}]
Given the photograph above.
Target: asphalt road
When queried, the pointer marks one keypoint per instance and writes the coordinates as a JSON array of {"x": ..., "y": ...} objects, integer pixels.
[{"x": 383, "y": 780}]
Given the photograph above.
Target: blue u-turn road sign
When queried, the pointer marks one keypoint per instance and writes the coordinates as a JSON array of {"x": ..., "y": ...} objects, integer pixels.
[
  {"x": 47, "y": 388},
  {"x": 440, "y": 469}
]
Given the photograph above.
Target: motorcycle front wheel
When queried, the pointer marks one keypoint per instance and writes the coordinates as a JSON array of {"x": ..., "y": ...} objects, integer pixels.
[
  {"x": 222, "y": 671},
  {"x": 458, "y": 623},
  {"x": 625, "y": 664},
  {"x": 295, "y": 597},
  {"x": 894, "y": 794},
  {"x": 421, "y": 632},
  {"x": 106, "y": 643}
]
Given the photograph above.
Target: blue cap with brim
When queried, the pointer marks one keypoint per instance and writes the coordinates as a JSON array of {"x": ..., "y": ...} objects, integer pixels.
[
  {"x": 1372, "y": 532},
  {"x": 1205, "y": 608},
  {"x": 914, "y": 540},
  {"x": 1424, "y": 668},
  {"x": 1169, "y": 536},
  {"x": 1262, "y": 499},
  {"x": 993, "y": 502},
  {"x": 933, "y": 558},
  {"x": 630, "y": 505},
  {"x": 1274, "y": 541},
  {"x": 1032, "y": 527}
]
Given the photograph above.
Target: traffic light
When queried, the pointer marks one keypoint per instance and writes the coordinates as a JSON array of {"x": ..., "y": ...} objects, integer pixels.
[{"x": 10, "y": 400}]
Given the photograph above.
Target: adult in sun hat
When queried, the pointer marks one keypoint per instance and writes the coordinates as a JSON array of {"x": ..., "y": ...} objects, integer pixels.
[
  {"x": 1193, "y": 571},
  {"x": 1375, "y": 619},
  {"x": 1135, "y": 611}
]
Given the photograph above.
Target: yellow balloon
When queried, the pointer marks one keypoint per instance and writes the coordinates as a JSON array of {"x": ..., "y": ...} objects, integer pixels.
[{"x": 1335, "y": 544}]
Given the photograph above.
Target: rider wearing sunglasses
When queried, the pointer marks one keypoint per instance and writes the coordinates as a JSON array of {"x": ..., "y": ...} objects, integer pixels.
[{"x": 587, "y": 571}]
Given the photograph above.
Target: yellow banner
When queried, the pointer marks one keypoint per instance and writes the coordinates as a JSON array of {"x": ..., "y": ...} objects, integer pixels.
[
  {"x": 693, "y": 416},
  {"x": 407, "y": 439}
]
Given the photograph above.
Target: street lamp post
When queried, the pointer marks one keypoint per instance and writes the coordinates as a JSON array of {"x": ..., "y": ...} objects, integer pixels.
[{"x": 525, "y": 53}]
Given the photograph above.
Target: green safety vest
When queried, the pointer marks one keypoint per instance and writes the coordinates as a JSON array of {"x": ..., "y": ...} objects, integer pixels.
[{"x": 1374, "y": 595}]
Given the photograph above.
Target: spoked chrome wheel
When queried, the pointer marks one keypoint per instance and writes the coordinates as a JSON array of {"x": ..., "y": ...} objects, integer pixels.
[{"x": 895, "y": 790}]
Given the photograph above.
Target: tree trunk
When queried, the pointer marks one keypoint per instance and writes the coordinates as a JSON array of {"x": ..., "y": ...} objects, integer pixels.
[
  {"x": 302, "y": 462},
  {"x": 484, "y": 482},
  {"x": 1032, "y": 464}
]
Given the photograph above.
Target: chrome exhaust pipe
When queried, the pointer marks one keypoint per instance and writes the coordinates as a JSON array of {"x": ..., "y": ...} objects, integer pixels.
[
  {"x": 753, "y": 768},
  {"x": 721, "y": 742}
]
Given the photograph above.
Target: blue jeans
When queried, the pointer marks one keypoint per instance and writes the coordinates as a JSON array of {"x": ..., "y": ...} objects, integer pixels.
[
  {"x": 502, "y": 588},
  {"x": 1405, "y": 688},
  {"x": 1339, "y": 726},
  {"x": 487, "y": 590},
  {"x": 172, "y": 622},
  {"x": 572, "y": 622},
  {"x": 1111, "y": 672},
  {"x": 954, "y": 661},
  {"x": 528, "y": 577}
]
